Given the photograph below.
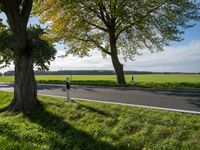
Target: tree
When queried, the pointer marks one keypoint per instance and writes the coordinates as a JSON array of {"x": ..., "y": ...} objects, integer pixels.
[
  {"x": 21, "y": 51},
  {"x": 118, "y": 27},
  {"x": 43, "y": 49}
]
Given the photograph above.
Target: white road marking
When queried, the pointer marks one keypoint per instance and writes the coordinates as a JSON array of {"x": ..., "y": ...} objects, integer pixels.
[{"x": 107, "y": 102}]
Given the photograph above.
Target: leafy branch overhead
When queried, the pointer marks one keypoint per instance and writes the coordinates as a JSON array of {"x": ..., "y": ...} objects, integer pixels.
[
  {"x": 117, "y": 27},
  {"x": 136, "y": 24},
  {"x": 43, "y": 50}
]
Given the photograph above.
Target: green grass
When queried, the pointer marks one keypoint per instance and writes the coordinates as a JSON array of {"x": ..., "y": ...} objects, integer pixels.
[
  {"x": 92, "y": 126},
  {"x": 174, "y": 81}
]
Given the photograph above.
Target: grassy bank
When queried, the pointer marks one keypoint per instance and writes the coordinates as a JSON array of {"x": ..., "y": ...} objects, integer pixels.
[
  {"x": 172, "y": 81},
  {"x": 88, "y": 125}
]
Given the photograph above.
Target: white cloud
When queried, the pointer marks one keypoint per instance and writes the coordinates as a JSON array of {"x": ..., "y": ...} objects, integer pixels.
[
  {"x": 185, "y": 58},
  {"x": 95, "y": 61},
  {"x": 180, "y": 58}
]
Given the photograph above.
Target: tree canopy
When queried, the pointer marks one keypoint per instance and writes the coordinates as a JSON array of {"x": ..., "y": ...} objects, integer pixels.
[
  {"x": 43, "y": 49},
  {"x": 118, "y": 27},
  {"x": 26, "y": 47}
]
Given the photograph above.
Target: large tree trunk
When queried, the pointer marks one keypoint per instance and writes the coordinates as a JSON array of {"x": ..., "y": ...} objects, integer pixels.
[
  {"x": 25, "y": 89},
  {"x": 115, "y": 61},
  {"x": 118, "y": 70}
]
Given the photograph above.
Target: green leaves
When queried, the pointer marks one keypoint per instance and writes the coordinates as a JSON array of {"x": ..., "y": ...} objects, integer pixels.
[
  {"x": 6, "y": 46},
  {"x": 43, "y": 49},
  {"x": 85, "y": 25}
]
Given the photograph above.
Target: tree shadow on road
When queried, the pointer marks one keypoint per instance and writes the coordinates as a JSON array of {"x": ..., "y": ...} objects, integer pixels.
[
  {"x": 195, "y": 102},
  {"x": 192, "y": 94}
]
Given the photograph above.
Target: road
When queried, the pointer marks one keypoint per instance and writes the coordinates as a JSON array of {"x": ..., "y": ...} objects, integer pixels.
[{"x": 173, "y": 99}]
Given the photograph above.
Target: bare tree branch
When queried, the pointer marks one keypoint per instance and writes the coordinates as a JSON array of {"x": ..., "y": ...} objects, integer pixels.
[
  {"x": 94, "y": 42},
  {"x": 99, "y": 46},
  {"x": 91, "y": 9},
  {"x": 103, "y": 8},
  {"x": 137, "y": 21},
  {"x": 106, "y": 22},
  {"x": 98, "y": 27},
  {"x": 26, "y": 10}
]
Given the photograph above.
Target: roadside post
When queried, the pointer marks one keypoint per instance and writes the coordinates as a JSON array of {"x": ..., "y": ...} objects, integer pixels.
[
  {"x": 132, "y": 80},
  {"x": 68, "y": 89}
]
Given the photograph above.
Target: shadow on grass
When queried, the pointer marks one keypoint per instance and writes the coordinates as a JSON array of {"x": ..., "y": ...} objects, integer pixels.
[
  {"x": 91, "y": 109},
  {"x": 4, "y": 103},
  {"x": 70, "y": 138},
  {"x": 3, "y": 109}
]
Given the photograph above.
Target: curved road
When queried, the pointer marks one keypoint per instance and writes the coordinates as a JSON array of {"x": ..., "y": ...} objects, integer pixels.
[{"x": 173, "y": 99}]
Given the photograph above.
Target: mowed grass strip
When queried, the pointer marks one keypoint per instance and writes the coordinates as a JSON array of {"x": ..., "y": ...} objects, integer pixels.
[
  {"x": 96, "y": 126},
  {"x": 173, "y": 81}
]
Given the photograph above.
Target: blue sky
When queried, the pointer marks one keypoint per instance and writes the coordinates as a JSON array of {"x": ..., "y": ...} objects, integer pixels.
[{"x": 179, "y": 57}]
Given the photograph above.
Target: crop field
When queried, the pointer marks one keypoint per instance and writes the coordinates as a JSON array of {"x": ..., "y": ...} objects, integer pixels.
[{"x": 182, "y": 81}]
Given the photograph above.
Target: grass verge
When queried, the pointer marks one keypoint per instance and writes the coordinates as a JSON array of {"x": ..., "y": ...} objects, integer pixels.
[{"x": 90, "y": 125}]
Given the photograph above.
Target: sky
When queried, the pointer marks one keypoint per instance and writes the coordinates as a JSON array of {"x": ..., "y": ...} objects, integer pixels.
[{"x": 182, "y": 56}]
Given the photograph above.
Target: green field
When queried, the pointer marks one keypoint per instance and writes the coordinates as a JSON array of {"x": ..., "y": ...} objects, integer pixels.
[
  {"x": 182, "y": 81},
  {"x": 96, "y": 126}
]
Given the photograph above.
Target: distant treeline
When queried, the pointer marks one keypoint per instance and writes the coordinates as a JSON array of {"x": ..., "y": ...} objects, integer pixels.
[{"x": 93, "y": 72}]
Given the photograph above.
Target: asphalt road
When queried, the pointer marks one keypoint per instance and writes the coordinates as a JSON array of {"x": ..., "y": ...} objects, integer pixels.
[{"x": 173, "y": 99}]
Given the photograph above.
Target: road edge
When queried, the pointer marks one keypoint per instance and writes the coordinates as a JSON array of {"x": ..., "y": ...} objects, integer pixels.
[{"x": 123, "y": 104}]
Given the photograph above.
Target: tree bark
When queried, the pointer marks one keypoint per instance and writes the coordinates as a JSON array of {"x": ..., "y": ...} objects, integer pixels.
[
  {"x": 118, "y": 70},
  {"x": 115, "y": 61},
  {"x": 25, "y": 89}
]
